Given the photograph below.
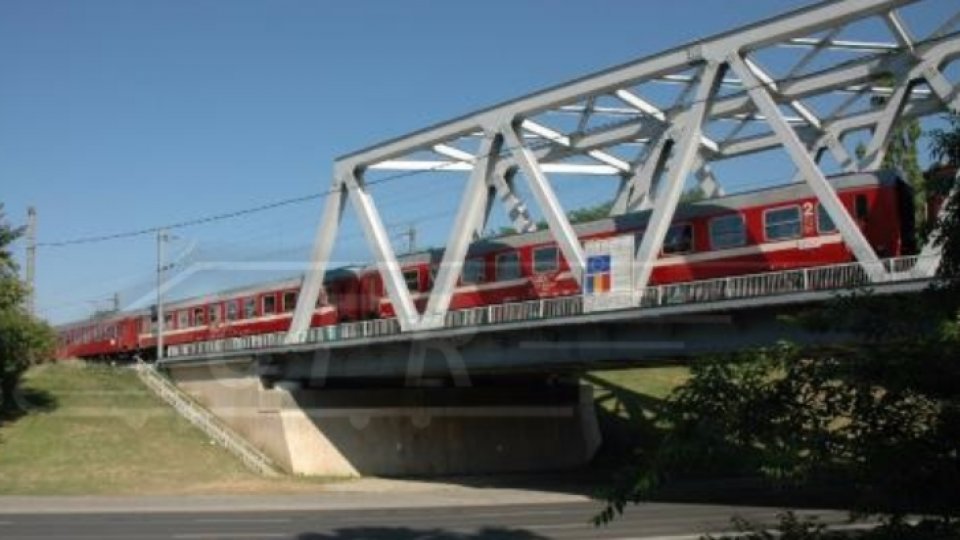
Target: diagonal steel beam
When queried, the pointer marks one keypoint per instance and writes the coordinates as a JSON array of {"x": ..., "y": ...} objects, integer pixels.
[
  {"x": 319, "y": 262},
  {"x": 470, "y": 214},
  {"x": 557, "y": 220},
  {"x": 669, "y": 191},
  {"x": 386, "y": 259},
  {"x": 825, "y": 193},
  {"x": 877, "y": 148}
]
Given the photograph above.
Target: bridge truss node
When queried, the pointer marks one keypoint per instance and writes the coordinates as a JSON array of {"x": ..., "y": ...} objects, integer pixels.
[{"x": 729, "y": 104}]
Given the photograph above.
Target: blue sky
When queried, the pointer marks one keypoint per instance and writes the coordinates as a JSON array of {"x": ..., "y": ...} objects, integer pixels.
[{"x": 118, "y": 114}]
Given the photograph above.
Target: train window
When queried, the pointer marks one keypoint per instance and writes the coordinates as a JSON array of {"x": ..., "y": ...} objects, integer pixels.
[
  {"x": 679, "y": 239},
  {"x": 825, "y": 225},
  {"x": 146, "y": 325},
  {"x": 782, "y": 223},
  {"x": 214, "y": 314},
  {"x": 289, "y": 301},
  {"x": 508, "y": 266},
  {"x": 269, "y": 304},
  {"x": 545, "y": 259},
  {"x": 862, "y": 208},
  {"x": 183, "y": 318},
  {"x": 249, "y": 308},
  {"x": 474, "y": 271},
  {"x": 727, "y": 232},
  {"x": 232, "y": 311},
  {"x": 412, "y": 278},
  {"x": 168, "y": 320},
  {"x": 199, "y": 318}
]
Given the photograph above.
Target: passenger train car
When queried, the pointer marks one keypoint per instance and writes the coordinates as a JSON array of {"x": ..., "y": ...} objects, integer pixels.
[{"x": 766, "y": 230}]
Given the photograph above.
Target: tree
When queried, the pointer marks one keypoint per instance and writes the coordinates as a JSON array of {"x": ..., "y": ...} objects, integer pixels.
[
  {"x": 945, "y": 143},
  {"x": 881, "y": 415},
  {"x": 24, "y": 340}
]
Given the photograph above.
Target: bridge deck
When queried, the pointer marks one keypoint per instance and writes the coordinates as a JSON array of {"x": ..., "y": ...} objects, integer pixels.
[{"x": 795, "y": 286}]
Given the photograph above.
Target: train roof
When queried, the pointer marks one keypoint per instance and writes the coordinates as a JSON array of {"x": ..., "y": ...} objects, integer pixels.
[{"x": 717, "y": 205}]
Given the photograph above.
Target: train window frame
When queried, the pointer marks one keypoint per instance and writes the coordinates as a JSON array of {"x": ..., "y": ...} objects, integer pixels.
[
  {"x": 821, "y": 214},
  {"x": 249, "y": 310},
  {"x": 413, "y": 273},
  {"x": 183, "y": 319},
  {"x": 199, "y": 315},
  {"x": 168, "y": 320},
  {"x": 666, "y": 249},
  {"x": 272, "y": 310},
  {"x": 861, "y": 206},
  {"x": 214, "y": 313},
  {"x": 233, "y": 310},
  {"x": 285, "y": 304},
  {"x": 555, "y": 263},
  {"x": 514, "y": 254},
  {"x": 718, "y": 246},
  {"x": 766, "y": 223},
  {"x": 467, "y": 275}
]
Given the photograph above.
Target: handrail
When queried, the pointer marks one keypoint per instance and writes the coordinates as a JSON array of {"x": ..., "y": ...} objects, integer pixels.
[
  {"x": 206, "y": 421},
  {"x": 795, "y": 280}
]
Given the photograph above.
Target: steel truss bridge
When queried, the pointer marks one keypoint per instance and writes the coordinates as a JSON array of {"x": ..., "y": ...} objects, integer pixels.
[{"x": 729, "y": 102}]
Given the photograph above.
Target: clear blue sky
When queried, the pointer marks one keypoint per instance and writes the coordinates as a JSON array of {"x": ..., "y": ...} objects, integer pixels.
[{"x": 118, "y": 114}]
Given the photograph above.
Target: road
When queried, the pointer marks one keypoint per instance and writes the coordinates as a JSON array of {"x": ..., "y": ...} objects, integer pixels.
[{"x": 563, "y": 520}]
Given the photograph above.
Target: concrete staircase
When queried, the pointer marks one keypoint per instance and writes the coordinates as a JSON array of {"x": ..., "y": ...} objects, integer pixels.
[{"x": 203, "y": 419}]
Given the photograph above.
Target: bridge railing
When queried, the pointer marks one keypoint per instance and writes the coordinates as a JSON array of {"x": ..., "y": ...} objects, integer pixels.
[{"x": 821, "y": 278}]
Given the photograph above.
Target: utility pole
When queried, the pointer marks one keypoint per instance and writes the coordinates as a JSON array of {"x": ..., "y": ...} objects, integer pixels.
[
  {"x": 411, "y": 234},
  {"x": 31, "y": 266},
  {"x": 161, "y": 239}
]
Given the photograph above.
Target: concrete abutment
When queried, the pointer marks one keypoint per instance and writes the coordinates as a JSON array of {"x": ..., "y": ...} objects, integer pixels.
[{"x": 497, "y": 425}]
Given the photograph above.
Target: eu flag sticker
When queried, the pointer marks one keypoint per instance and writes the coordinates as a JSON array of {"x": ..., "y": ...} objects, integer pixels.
[{"x": 598, "y": 274}]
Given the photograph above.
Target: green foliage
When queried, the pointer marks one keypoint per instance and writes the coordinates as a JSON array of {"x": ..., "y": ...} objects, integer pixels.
[
  {"x": 945, "y": 143},
  {"x": 881, "y": 416},
  {"x": 24, "y": 340}
]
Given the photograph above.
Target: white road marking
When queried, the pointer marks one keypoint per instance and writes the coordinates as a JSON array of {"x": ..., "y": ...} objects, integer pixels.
[
  {"x": 554, "y": 526},
  {"x": 244, "y": 520},
  {"x": 227, "y": 535}
]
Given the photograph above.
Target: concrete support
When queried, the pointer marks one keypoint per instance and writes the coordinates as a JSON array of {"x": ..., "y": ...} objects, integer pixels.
[{"x": 401, "y": 431}]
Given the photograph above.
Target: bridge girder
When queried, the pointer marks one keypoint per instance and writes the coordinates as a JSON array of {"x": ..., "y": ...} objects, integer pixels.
[{"x": 724, "y": 83}]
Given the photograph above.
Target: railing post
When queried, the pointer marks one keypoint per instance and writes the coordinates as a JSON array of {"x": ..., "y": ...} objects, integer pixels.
[{"x": 806, "y": 279}]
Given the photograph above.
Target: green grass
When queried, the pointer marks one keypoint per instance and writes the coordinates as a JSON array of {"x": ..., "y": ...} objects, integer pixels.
[
  {"x": 98, "y": 430},
  {"x": 627, "y": 404},
  {"x": 652, "y": 382}
]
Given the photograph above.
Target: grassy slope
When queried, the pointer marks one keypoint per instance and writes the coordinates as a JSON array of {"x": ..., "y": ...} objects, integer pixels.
[{"x": 97, "y": 430}]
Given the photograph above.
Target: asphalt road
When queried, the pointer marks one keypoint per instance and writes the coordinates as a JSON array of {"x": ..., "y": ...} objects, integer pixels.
[{"x": 506, "y": 522}]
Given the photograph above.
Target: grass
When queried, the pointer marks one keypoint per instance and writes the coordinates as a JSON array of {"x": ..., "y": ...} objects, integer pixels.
[
  {"x": 98, "y": 430},
  {"x": 627, "y": 403},
  {"x": 652, "y": 382}
]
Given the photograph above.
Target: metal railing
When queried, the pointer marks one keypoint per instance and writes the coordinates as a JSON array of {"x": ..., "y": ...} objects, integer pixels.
[
  {"x": 206, "y": 421},
  {"x": 819, "y": 278}
]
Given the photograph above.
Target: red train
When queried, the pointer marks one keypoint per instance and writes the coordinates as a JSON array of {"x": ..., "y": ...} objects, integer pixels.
[{"x": 771, "y": 229}]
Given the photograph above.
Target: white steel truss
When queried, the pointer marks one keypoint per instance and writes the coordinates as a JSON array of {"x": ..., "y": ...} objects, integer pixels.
[{"x": 651, "y": 147}]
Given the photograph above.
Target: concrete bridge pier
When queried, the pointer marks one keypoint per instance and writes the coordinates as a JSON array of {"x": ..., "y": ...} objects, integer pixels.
[{"x": 385, "y": 427}]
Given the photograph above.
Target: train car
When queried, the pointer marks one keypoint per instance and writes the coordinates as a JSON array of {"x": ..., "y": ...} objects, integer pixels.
[
  {"x": 106, "y": 336},
  {"x": 772, "y": 229},
  {"x": 258, "y": 309}
]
